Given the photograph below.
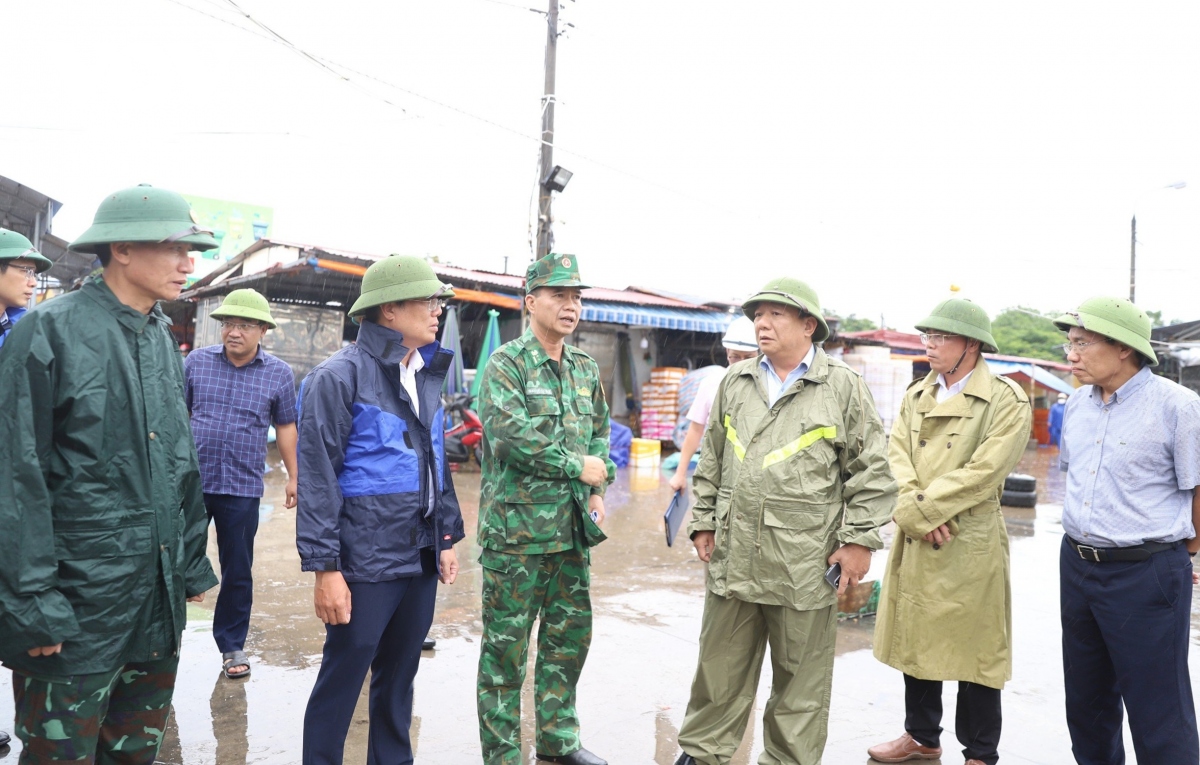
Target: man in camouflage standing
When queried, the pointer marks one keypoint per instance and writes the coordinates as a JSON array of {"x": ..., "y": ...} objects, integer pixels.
[{"x": 545, "y": 468}]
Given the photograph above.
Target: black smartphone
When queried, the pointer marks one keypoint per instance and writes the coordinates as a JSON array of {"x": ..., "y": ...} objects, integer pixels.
[{"x": 834, "y": 575}]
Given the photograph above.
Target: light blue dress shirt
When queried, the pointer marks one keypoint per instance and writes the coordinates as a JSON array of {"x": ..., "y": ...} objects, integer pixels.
[
  {"x": 775, "y": 386},
  {"x": 1131, "y": 463}
]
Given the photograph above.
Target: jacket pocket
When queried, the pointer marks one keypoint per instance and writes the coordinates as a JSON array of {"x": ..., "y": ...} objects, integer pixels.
[
  {"x": 795, "y": 541},
  {"x": 529, "y": 523},
  {"x": 794, "y": 516},
  {"x": 542, "y": 406},
  {"x": 102, "y": 573}
]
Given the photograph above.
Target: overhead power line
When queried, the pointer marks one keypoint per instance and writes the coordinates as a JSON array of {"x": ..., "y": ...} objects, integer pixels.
[{"x": 343, "y": 72}]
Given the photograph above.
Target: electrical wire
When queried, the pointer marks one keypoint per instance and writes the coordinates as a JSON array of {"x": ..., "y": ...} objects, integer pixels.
[
  {"x": 306, "y": 55},
  {"x": 333, "y": 68},
  {"x": 513, "y": 5}
]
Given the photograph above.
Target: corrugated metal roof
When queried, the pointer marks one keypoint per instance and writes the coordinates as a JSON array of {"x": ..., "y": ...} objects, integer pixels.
[
  {"x": 505, "y": 283},
  {"x": 20, "y": 207},
  {"x": 1026, "y": 370},
  {"x": 660, "y": 317},
  {"x": 889, "y": 337}
]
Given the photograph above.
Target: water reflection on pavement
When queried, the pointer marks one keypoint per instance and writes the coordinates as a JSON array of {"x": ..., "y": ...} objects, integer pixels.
[{"x": 647, "y": 600}]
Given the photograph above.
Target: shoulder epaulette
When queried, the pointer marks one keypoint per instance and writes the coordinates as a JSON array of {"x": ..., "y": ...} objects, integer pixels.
[{"x": 1022, "y": 394}]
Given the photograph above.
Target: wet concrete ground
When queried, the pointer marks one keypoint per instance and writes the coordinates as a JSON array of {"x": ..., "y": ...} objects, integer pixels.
[{"x": 647, "y": 601}]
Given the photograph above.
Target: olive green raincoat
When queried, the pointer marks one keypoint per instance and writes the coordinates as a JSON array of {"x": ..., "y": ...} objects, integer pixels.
[
  {"x": 783, "y": 486},
  {"x": 100, "y": 501},
  {"x": 946, "y": 614}
]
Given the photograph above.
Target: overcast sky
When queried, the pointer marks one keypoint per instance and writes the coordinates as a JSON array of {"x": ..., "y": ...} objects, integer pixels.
[{"x": 880, "y": 151}]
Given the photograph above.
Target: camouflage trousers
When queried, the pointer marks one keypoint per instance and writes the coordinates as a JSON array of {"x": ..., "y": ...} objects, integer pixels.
[
  {"x": 109, "y": 718},
  {"x": 551, "y": 587}
]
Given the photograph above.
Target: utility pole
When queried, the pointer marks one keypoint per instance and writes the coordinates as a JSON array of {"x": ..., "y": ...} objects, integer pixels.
[
  {"x": 547, "y": 162},
  {"x": 1132, "y": 257}
]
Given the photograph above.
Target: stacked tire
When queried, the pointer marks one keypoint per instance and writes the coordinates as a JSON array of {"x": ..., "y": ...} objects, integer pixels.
[{"x": 1020, "y": 490}]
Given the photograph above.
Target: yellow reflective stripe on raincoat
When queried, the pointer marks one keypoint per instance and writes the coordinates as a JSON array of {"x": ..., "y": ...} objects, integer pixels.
[
  {"x": 803, "y": 442},
  {"x": 731, "y": 436}
]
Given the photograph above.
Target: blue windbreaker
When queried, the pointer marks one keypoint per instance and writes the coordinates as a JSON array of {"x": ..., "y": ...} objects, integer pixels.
[
  {"x": 13, "y": 315},
  {"x": 365, "y": 462}
]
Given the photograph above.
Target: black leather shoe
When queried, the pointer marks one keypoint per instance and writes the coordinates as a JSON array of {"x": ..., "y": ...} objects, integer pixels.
[
  {"x": 4, "y": 739},
  {"x": 686, "y": 759},
  {"x": 428, "y": 644},
  {"x": 580, "y": 756}
]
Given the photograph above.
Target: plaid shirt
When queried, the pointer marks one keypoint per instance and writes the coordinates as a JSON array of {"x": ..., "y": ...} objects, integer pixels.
[{"x": 231, "y": 409}]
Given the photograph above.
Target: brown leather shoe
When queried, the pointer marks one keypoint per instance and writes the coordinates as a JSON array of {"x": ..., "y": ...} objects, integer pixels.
[
  {"x": 975, "y": 762},
  {"x": 902, "y": 750}
]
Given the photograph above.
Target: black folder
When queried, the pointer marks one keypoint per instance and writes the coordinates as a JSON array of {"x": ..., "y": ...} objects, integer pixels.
[{"x": 674, "y": 516}]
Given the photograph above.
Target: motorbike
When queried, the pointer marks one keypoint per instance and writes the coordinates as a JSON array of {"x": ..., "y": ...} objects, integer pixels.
[{"x": 466, "y": 436}]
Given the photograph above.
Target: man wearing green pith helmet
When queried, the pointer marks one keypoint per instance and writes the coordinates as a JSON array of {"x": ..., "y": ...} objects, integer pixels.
[
  {"x": 1131, "y": 453},
  {"x": 20, "y": 264},
  {"x": 100, "y": 485},
  {"x": 235, "y": 391},
  {"x": 792, "y": 480},
  {"x": 946, "y": 611},
  {"x": 377, "y": 517},
  {"x": 545, "y": 469}
]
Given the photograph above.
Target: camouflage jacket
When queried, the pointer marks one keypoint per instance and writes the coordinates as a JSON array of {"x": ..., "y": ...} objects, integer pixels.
[{"x": 540, "y": 419}]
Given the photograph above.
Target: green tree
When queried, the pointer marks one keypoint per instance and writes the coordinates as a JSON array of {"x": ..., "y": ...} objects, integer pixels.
[
  {"x": 1027, "y": 332},
  {"x": 853, "y": 323}
]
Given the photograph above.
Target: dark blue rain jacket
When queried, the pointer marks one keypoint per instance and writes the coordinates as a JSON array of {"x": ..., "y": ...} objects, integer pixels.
[{"x": 366, "y": 462}]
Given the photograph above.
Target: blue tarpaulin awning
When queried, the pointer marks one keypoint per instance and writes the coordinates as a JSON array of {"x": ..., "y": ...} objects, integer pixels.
[
  {"x": 660, "y": 317},
  {"x": 1040, "y": 376}
]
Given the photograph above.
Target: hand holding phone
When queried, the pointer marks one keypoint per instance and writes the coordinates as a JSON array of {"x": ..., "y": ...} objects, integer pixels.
[{"x": 833, "y": 575}]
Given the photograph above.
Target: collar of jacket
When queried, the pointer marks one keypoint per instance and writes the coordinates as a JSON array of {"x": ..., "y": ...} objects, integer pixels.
[
  {"x": 99, "y": 292},
  {"x": 383, "y": 343},
  {"x": 818, "y": 372},
  {"x": 979, "y": 386},
  {"x": 387, "y": 345},
  {"x": 537, "y": 353}
]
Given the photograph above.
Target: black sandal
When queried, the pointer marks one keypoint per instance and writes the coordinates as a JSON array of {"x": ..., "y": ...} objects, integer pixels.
[{"x": 235, "y": 659}]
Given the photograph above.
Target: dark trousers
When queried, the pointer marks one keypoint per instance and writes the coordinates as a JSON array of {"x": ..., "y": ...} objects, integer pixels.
[
  {"x": 236, "y": 519},
  {"x": 1125, "y": 640},
  {"x": 976, "y": 716},
  {"x": 388, "y": 622}
]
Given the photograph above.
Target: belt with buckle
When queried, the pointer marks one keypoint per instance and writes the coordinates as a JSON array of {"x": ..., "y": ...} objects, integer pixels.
[{"x": 1113, "y": 554}]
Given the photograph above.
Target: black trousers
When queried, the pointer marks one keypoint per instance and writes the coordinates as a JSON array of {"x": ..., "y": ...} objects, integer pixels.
[
  {"x": 1126, "y": 629},
  {"x": 976, "y": 719}
]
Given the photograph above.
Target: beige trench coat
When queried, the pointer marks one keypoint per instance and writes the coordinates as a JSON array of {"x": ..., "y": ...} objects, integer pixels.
[{"x": 946, "y": 614}]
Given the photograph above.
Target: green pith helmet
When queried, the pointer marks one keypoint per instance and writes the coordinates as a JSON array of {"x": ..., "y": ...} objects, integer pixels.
[
  {"x": 13, "y": 246},
  {"x": 245, "y": 304},
  {"x": 961, "y": 317},
  {"x": 144, "y": 214},
  {"x": 791, "y": 292},
  {"x": 554, "y": 270},
  {"x": 396, "y": 278},
  {"x": 1112, "y": 317}
]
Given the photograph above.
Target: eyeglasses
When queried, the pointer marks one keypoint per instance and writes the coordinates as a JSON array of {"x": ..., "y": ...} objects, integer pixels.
[
  {"x": 934, "y": 340},
  {"x": 229, "y": 326},
  {"x": 434, "y": 304},
  {"x": 1076, "y": 347},
  {"x": 30, "y": 271}
]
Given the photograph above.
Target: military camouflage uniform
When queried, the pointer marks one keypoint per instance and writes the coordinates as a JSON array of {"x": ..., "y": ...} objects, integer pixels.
[
  {"x": 540, "y": 419},
  {"x": 60, "y": 719}
]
